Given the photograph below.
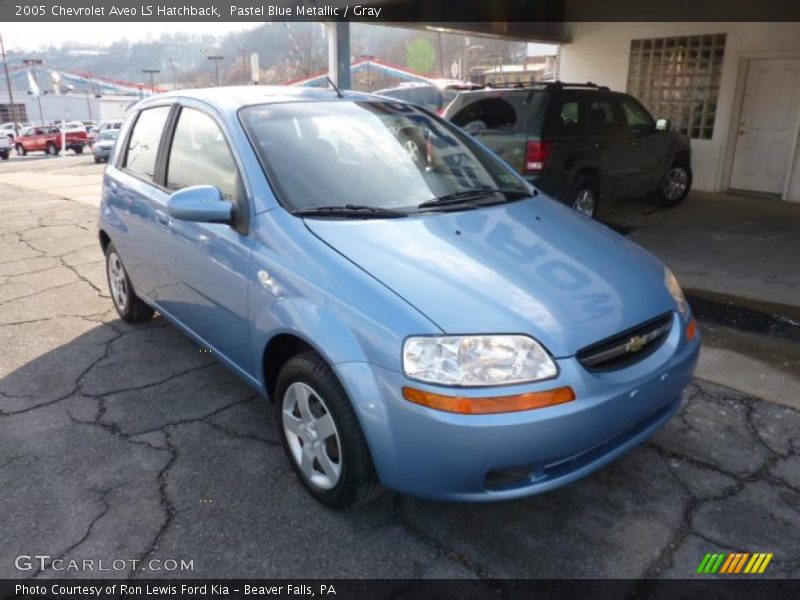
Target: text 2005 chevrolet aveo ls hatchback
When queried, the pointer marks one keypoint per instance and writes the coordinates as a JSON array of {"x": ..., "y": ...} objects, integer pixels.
[{"x": 421, "y": 318}]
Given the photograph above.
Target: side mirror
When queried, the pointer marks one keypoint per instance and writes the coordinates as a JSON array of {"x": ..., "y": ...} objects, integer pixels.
[
  {"x": 663, "y": 125},
  {"x": 200, "y": 203}
]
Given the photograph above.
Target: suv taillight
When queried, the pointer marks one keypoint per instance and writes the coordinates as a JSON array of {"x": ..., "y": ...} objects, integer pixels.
[{"x": 537, "y": 153}]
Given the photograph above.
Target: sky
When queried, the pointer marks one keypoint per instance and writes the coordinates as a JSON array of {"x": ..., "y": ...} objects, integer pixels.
[{"x": 33, "y": 36}]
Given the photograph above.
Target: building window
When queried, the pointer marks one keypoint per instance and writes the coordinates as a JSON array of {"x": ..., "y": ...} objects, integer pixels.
[
  {"x": 678, "y": 78},
  {"x": 6, "y": 114}
]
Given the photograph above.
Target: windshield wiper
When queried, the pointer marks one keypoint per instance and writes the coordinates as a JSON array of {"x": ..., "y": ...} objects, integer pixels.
[
  {"x": 474, "y": 194},
  {"x": 350, "y": 211}
]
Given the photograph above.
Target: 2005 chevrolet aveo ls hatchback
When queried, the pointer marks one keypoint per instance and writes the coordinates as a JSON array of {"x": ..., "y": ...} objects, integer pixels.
[{"x": 422, "y": 319}]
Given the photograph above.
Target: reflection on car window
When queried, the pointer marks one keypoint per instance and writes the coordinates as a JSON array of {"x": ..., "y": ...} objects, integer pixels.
[
  {"x": 380, "y": 154},
  {"x": 199, "y": 155},
  {"x": 140, "y": 156}
]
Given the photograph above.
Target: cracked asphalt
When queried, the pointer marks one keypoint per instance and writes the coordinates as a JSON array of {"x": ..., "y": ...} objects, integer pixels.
[{"x": 121, "y": 441}]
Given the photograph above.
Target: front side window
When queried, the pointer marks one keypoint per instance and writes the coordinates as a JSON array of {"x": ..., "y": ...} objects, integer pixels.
[
  {"x": 636, "y": 116},
  {"x": 378, "y": 154},
  {"x": 142, "y": 150},
  {"x": 199, "y": 155}
]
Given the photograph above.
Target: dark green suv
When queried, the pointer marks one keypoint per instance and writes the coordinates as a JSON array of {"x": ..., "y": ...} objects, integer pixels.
[{"x": 580, "y": 143}]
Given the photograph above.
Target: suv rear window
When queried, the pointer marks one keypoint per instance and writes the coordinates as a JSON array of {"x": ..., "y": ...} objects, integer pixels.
[{"x": 506, "y": 112}]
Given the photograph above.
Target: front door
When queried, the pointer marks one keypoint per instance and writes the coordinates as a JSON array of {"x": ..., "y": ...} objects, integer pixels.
[
  {"x": 207, "y": 287},
  {"x": 767, "y": 125}
]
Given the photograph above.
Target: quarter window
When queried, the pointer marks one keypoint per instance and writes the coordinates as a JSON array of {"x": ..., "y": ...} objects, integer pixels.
[
  {"x": 569, "y": 117},
  {"x": 199, "y": 155},
  {"x": 142, "y": 150}
]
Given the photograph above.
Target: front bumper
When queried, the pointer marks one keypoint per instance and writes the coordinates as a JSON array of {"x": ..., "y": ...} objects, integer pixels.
[{"x": 446, "y": 456}]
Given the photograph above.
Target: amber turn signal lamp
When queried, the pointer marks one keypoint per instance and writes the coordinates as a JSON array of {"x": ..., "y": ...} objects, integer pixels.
[
  {"x": 492, "y": 405},
  {"x": 691, "y": 329}
]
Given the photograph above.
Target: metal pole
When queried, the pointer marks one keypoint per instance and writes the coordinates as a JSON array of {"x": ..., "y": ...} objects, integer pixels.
[
  {"x": 8, "y": 83},
  {"x": 216, "y": 60},
  {"x": 151, "y": 72},
  {"x": 32, "y": 63},
  {"x": 88, "y": 101}
]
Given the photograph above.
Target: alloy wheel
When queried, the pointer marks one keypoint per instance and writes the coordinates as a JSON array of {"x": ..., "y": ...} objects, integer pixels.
[
  {"x": 675, "y": 183},
  {"x": 312, "y": 436},
  {"x": 117, "y": 281},
  {"x": 585, "y": 202}
]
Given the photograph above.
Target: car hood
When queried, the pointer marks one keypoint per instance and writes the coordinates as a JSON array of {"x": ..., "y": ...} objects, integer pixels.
[{"x": 533, "y": 267}]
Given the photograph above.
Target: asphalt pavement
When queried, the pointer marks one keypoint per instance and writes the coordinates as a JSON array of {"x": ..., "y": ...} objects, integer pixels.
[{"x": 122, "y": 442}]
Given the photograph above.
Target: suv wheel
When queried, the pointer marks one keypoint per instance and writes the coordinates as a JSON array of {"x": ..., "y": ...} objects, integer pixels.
[
  {"x": 4, "y": 155},
  {"x": 129, "y": 306},
  {"x": 676, "y": 185},
  {"x": 51, "y": 149},
  {"x": 585, "y": 196},
  {"x": 21, "y": 150},
  {"x": 321, "y": 434}
]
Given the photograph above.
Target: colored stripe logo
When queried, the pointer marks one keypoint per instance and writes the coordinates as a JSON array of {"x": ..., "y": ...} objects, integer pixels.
[{"x": 735, "y": 563}]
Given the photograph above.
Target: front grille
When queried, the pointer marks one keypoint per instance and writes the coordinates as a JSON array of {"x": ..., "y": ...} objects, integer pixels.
[{"x": 626, "y": 348}]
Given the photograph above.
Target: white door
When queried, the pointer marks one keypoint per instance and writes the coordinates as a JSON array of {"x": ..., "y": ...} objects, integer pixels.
[{"x": 767, "y": 125}]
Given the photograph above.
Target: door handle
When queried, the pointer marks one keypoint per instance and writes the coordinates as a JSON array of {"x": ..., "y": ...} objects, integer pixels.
[
  {"x": 162, "y": 218},
  {"x": 598, "y": 145}
]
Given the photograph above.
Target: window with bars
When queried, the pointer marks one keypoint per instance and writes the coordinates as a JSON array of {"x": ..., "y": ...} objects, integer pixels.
[{"x": 678, "y": 78}]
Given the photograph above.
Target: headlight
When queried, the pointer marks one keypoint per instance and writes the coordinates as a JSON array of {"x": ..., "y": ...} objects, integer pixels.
[
  {"x": 677, "y": 293},
  {"x": 472, "y": 360}
]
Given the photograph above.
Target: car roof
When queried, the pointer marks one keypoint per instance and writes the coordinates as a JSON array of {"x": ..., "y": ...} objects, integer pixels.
[{"x": 234, "y": 97}]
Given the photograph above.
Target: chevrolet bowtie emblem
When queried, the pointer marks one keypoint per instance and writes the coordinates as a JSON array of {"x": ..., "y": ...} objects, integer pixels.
[{"x": 636, "y": 343}]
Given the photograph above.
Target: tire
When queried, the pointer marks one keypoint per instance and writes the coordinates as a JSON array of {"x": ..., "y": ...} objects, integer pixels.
[
  {"x": 51, "y": 149},
  {"x": 78, "y": 149},
  {"x": 97, "y": 160},
  {"x": 129, "y": 306},
  {"x": 350, "y": 479},
  {"x": 584, "y": 196},
  {"x": 4, "y": 155},
  {"x": 675, "y": 185},
  {"x": 21, "y": 150}
]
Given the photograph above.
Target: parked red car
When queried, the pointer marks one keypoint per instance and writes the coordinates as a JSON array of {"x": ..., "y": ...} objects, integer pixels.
[{"x": 47, "y": 138}]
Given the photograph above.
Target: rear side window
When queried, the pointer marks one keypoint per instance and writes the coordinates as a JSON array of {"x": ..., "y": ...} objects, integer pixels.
[
  {"x": 429, "y": 97},
  {"x": 603, "y": 117},
  {"x": 142, "y": 150},
  {"x": 501, "y": 113},
  {"x": 199, "y": 155}
]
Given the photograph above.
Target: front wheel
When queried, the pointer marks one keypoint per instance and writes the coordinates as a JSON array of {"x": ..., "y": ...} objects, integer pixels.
[
  {"x": 321, "y": 434},
  {"x": 78, "y": 149},
  {"x": 51, "y": 149},
  {"x": 129, "y": 306},
  {"x": 676, "y": 185},
  {"x": 21, "y": 150},
  {"x": 4, "y": 155}
]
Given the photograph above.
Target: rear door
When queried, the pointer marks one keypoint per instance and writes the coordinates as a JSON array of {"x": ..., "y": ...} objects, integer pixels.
[
  {"x": 134, "y": 194},
  {"x": 607, "y": 134},
  {"x": 502, "y": 119}
]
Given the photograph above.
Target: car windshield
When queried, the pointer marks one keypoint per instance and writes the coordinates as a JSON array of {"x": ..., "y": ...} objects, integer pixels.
[
  {"x": 382, "y": 155},
  {"x": 110, "y": 134}
]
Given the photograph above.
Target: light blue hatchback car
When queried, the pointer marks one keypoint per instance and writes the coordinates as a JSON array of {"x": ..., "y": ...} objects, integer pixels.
[{"x": 422, "y": 319}]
